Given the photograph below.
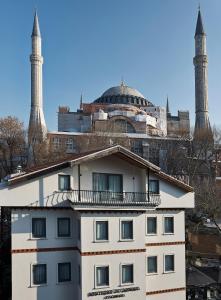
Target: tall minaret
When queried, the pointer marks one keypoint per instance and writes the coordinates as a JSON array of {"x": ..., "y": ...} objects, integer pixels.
[
  {"x": 37, "y": 127},
  {"x": 200, "y": 61}
]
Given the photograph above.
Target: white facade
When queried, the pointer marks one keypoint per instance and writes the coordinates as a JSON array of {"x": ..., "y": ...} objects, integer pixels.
[{"x": 121, "y": 259}]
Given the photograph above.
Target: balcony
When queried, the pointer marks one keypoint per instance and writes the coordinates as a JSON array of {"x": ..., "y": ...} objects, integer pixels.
[{"x": 87, "y": 198}]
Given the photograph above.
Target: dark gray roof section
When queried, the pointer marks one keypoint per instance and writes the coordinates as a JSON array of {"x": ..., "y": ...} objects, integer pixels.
[
  {"x": 199, "y": 25},
  {"x": 36, "y": 29},
  {"x": 196, "y": 278}
]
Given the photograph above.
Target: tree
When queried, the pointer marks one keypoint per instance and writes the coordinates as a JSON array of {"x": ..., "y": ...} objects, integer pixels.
[{"x": 12, "y": 144}]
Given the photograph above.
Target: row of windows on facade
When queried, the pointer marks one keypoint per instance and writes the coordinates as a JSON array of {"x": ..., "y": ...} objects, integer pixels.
[
  {"x": 102, "y": 273},
  {"x": 105, "y": 182},
  {"x": 126, "y": 228},
  {"x": 101, "y": 228},
  {"x": 58, "y": 142}
]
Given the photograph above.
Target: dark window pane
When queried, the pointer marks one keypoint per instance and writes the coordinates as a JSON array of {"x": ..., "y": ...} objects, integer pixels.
[
  {"x": 101, "y": 230},
  {"x": 169, "y": 263},
  {"x": 152, "y": 264},
  {"x": 127, "y": 230},
  {"x": 102, "y": 276},
  {"x": 39, "y": 274},
  {"x": 63, "y": 227},
  {"x": 64, "y": 182},
  {"x": 154, "y": 186},
  {"x": 168, "y": 225},
  {"x": 151, "y": 225},
  {"x": 127, "y": 274},
  {"x": 39, "y": 227},
  {"x": 64, "y": 272}
]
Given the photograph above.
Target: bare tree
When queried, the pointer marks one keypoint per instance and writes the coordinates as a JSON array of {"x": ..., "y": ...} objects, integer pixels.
[{"x": 12, "y": 143}]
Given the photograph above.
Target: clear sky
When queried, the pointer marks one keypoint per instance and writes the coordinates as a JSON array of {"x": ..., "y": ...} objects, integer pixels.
[{"x": 88, "y": 45}]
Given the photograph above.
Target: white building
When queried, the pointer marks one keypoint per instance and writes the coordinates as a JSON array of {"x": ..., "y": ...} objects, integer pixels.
[{"x": 106, "y": 224}]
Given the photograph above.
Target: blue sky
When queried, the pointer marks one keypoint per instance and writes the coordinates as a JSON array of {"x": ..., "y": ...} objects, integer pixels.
[{"x": 88, "y": 45}]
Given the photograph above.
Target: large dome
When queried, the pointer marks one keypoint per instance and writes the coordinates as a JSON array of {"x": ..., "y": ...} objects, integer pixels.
[
  {"x": 122, "y": 90},
  {"x": 123, "y": 94}
]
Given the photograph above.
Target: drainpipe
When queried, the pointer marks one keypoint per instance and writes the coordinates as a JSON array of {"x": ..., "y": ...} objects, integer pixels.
[
  {"x": 79, "y": 183},
  {"x": 148, "y": 183}
]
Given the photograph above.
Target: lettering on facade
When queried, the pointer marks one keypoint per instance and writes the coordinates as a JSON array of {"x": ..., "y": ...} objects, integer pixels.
[{"x": 115, "y": 291}]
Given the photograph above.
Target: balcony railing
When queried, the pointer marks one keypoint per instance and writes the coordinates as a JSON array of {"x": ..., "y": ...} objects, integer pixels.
[{"x": 108, "y": 198}]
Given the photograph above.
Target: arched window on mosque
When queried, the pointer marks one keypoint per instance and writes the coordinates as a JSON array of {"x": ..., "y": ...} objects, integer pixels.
[{"x": 123, "y": 126}]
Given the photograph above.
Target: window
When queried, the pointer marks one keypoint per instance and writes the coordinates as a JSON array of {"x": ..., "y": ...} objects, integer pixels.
[
  {"x": 39, "y": 228},
  {"x": 39, "y": 274},
  {"x": 64, "y": 182},
  {"x": 56, "y": 142},
  {"x": 152, "y": 225},
  {"x": 101, "y": 230},
  {"x": 64, "y": 272},
  {"x": 127, "y": 274},
  {"x": 169, "y": 263},
  {"x": 126, "y": 230},
  {"x": 154, "y": 186},
  {"x": 107, "y": 182},
  {"x": 168, "y": 225},
  {"x": 63, "y": 227},
  {"x": 152, "y": 264},
  {"x": 69, "y": 144},
  {"x": 102, "y": 276}
]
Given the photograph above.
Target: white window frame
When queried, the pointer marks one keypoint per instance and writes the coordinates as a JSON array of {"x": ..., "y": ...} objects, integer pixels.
[
  {"x": 31, "y": 237},
  {"x": 121, "y": 282},
  {"x": 164, "y": 260},
  {"x": 95, "y": 276},
  {"x": 95, "y": 231},
  {"x": 169, "y": 233},
  {"x": 64, "y": 282},
  {"x": 32, "y": 277},
  {"x": 155, "y": 273},
  {"x": 120, "y": 230},
  {"x": 71, "y": 225},
  {"x": 152, "y": 234}
]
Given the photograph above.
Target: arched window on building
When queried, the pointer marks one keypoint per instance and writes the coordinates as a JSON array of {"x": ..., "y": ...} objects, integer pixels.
[{"x": 123, "y": 126}]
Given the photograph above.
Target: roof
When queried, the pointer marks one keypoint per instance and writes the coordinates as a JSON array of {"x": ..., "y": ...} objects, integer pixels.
[
  {"x": 36, "y": 28},
  {"x": 122, "y": 90},
  {"x": 196, "y": 278},
  {"x": 77, "y": 159},
  {"x": 199, "y": 25},
  {"x": 123, "y": 94}
]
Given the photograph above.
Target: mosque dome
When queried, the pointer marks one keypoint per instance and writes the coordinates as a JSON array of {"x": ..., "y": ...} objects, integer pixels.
[{"x": 123, "y": 94}]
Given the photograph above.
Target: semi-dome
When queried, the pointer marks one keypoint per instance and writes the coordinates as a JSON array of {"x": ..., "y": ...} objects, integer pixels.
[{"x": 123, "y": 94}]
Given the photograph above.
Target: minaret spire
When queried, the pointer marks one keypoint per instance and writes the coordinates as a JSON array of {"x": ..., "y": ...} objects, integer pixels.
[
  {"x": 36, "y": 28},
  {"x": 200, "y": 61},
  {"x": 37, "y": 127},
  {"x": 168, "y": 107}
]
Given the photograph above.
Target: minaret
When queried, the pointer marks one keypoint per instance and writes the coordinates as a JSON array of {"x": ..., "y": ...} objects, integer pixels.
[
  {"x": 200, "y": 61},
  {"x": 37, "y": 127},
  {"x": 168, "y": 107}
]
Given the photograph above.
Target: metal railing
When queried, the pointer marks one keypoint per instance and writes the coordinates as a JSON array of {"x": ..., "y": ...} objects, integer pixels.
[{"x": 108, "y": 198}]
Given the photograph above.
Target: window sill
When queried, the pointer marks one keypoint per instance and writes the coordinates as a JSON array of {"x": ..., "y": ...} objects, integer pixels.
[
  {"x": 169, "y": 233},
  {"x": 129, "y": 240},
  {"x": 127, "y": 284},
  {"x": 38, "y": 285},
  {"x": 63, "y": 237},
  {"x": 65, "y": 282},
  {"x": 102, "y": 287},
  {"x": 101, "y": 241},
  {"x": 151, "y": 234},
  {"x": 37, "y": 239},
  {"x": 168, "y": 272},
  {"x": 151, "y": 274}
]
